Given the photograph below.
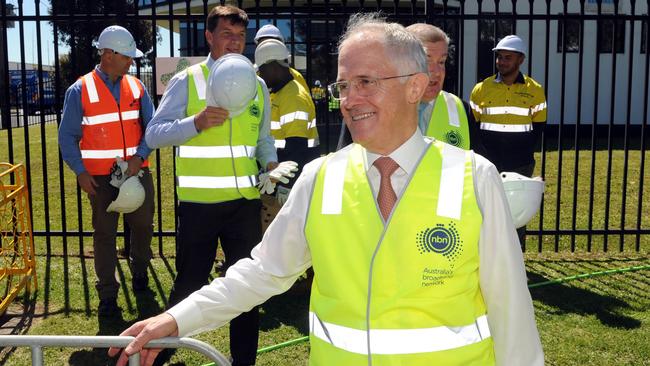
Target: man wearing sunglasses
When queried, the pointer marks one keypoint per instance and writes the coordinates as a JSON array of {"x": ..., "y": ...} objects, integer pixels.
[
  {"x": 414, "y": 253},
  {"x": 105, "y": 115}
]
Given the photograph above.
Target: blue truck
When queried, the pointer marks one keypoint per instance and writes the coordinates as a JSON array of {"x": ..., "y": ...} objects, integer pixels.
[{"x": 31, "y": 89}]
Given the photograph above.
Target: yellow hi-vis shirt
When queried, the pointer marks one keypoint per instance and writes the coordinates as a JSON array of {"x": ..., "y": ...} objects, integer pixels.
[
  {"x": 508, "y": 108},
  {"x": 293, "y": 115}
]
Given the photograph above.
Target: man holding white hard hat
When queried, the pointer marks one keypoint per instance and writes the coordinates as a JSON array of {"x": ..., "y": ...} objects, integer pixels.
[
  {"x": 217, "y": 114},
  {"x": 105, "y": 114}
]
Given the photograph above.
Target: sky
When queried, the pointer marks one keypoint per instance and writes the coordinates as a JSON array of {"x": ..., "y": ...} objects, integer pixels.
[{"x": 47, "y": 38}]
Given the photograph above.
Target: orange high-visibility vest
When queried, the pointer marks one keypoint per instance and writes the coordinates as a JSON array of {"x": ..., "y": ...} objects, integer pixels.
[{"x": 109, "y": 130}]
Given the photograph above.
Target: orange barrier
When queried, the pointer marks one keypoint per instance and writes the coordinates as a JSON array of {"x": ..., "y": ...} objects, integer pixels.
[{"x": 17, "y": 258}]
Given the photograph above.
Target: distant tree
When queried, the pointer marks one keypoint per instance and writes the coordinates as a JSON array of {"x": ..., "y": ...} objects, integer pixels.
[{"x": 79, "y": 33}]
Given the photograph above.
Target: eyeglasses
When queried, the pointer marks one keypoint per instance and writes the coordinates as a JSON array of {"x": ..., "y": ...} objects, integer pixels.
[{"x": 365, "y": 86}]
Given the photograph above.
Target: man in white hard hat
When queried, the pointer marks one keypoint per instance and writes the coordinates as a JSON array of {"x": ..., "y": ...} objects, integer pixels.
[
  {"x": 216, "y": 171},
  {"x": 293, "y": 115},
  {"x": 392, "y": 286},
  {"x": 442, "y": 115},
  {"x": 105, "y": 115},
  {"x": 269, "y": 31},
  {"x": 511, "y": 110}
]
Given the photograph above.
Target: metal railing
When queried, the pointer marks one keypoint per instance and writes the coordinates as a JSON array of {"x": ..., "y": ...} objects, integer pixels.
[{"x": 37, "y": 343}]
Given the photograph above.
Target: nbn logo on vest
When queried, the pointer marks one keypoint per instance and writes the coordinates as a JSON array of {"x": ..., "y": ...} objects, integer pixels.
[{"x": 440, "y": 239}]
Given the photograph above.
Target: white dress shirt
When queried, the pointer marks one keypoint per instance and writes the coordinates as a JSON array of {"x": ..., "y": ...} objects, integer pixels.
[
  {"x": 283, "y": 255},
  {"x": 170, "y": 126}
]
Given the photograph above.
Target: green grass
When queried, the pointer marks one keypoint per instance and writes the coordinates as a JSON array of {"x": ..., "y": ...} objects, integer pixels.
[{"x": 595, "y": 321}]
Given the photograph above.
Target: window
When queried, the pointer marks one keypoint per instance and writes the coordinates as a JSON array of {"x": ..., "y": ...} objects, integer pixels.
[
  {"x": 571, "y": 35},
  {"x": 644, "y": 36},
  {"x": 606, "y": 36},
  {"x": 490, "y": 33}
]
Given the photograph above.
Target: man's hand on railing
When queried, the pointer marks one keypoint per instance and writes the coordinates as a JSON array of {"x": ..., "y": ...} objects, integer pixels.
[{"x": 163, "y": 325}]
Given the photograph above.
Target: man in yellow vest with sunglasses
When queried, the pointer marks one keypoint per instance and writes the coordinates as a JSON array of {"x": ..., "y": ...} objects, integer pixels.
[{"x": 415, "y": 255}]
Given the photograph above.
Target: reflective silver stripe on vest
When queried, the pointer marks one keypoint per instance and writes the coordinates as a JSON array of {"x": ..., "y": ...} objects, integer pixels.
[
  {"x": 311, "y": 124},
  {"x": 109, "y": 117},
  {"x": 238, "y": 151},
  {"x": 216, "y": 182},
  {"x": 399, "y": 341},
  {"x": 452, "y": 109},
  {"x": 134, "y": 87},
  {"x": 333, "y": 184},
  {"x": 107, "y": 154},
  {"x": 498, "y": 127},
  {"x": 313, "y": 142},
  {"x": 199, "y": 81},
  {"x": 475, "y": 107},
  {"x": 452, "y": 179},
  {"x": 275, "y": 125},
  {"x": 517, "y": 111},
  {"x": 91, "y": 88}
]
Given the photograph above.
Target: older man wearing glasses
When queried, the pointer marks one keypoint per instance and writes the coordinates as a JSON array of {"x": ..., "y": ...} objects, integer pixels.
[{"x": 393, "y": 226}]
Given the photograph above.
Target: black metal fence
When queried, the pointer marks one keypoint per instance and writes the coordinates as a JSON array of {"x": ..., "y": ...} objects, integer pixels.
[{"x": 590, "y": 55}]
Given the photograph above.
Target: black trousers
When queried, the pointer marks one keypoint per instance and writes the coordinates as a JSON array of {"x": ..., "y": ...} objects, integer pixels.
[{"x": 237, "y": 226}]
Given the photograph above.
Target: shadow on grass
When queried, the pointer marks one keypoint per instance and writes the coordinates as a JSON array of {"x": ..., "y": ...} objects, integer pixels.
[
  {"x": 290, "y": 308},
  {"x": 568, "y": 299}
]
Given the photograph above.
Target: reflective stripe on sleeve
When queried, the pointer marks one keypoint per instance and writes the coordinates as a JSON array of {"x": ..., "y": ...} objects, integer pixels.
[
  {"x": 91, "y": 88},
  {"x": 107, "y": 154},
  {"x": 399, "y": 341},
  {"x": 517, "y": 111},
  {"x": 216, "y": 182},
  {"x": 313, "y": 142},
  {"x": 452, "y": 178},
  {"x": 275, "y": 125},
  {"x": 475, "y": 107},
  {"x": 280, "y": 144},
  {"x": 333, "y": 184},
  {"x": 538, "y": 108},
  {"x": 133, "y": 84},
  {"x": 506, "y": 128},
  {"x": 238, "y": 151},
  {"x": 199, "y": 81},
  {"x": 297, "y": 115},
  {"x": 311, "y": 124}
]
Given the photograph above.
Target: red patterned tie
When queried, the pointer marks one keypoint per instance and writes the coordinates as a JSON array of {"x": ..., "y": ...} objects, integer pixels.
[{"x": 386, "y": 197}]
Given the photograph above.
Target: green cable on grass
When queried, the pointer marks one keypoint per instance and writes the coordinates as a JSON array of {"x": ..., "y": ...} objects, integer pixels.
[{"x": 539, "y": 284}]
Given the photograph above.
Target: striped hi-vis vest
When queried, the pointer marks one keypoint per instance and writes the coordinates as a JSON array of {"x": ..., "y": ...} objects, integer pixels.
[
  {"x": 293, "y": 115},
  {"x": 448, "y": 121},
  {"x": 405, "y": 292},
  {"x": 218, "y": 164},
  {"x": 109, "y": 130}
]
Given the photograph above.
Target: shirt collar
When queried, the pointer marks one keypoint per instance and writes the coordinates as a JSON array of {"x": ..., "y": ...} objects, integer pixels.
[
  {"x": 407, "y": 155},
  {"x": 519, "y": 80},
  {"x": 104, "y": 76}
]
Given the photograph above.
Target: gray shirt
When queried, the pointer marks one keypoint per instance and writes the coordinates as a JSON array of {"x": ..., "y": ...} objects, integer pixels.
[{"x": 170, "y": 125}]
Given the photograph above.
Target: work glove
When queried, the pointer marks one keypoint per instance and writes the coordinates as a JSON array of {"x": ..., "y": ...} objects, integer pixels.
[
  {"x": 265, "y": 186},
  {"x": 284, "y": 171},
  {"x": 118, "y": 172},
  {"x": 282, "y": 194}
]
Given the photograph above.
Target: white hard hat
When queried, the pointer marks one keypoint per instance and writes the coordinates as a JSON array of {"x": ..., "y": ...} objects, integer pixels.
[
  {"x": 270, "y": 50},
  {"x": 130, "y": 198},
  {"x": 268, "y": 31},
  {"x": 511, "y": 43},
  {"x": 232, "y": 83},
  {"x": 524, "y": 196},
  {"x": 119, "y": 40}
]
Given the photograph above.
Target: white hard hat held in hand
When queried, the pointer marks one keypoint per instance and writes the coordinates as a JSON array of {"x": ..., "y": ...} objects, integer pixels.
[
  {"x": 118, "y": 172},
  {"x": 118, "y": 39},
  {"x": 232, "y": 83},
  {"x": 131, "y": 196},
  {"x": 524, "y": 196}
]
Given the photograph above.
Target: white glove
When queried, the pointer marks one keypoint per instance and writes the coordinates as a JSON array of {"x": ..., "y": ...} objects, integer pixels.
[
  {"x": 282, "y": 194},
  {"x": 118, "y": 172},
  {"x": 284, "y": 171},
  {"x": 265, "y": 185}
]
